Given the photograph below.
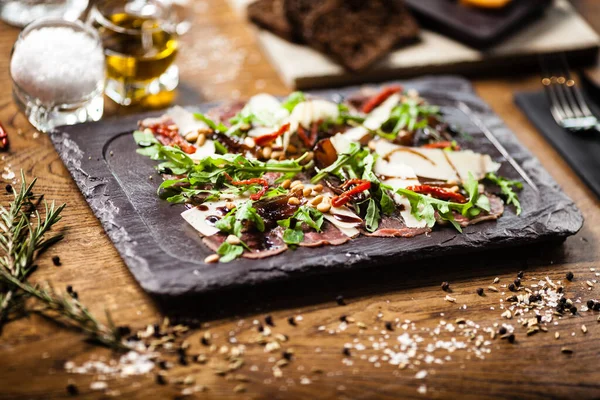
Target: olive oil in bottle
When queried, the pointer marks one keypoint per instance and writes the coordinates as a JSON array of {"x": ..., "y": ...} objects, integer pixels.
[{"x": 140, "y": 56}]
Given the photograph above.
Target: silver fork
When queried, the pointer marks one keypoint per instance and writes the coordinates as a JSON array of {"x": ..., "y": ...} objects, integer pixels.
[{"x": 567, "y": 104}]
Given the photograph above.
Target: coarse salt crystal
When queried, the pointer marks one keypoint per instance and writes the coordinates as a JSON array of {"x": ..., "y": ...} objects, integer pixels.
[{"x": 58, "y": 65}]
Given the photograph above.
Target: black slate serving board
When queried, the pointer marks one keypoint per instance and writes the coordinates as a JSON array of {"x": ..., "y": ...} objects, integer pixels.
[
  {"x": 476, "y": 27},
  {"x": 166, "y": 255}
]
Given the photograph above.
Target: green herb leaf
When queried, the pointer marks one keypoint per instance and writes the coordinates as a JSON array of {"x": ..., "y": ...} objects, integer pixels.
[
  {"x": 293, "y": 100},
  {"x": 211, "y": 124},
  {"x": 372, "y": 217},
  {"x": 229, "y": 252},
  {"x": 506, "y": 187},
  {"x": 424, "y": 207},
  {"x": 293, "y": 236},
  {"x": 342, "y": 160}
]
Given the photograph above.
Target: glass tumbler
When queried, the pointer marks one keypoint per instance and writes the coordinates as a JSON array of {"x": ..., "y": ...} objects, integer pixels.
[
  {"x": 57, "y": 71},
  {"x": 141, "y": 44},
  {"x": 22, "y": 12}
]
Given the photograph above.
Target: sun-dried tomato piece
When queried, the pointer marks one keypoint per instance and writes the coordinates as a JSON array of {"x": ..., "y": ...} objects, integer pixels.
[
  {"x": 438, "y": 193},
  {"x": 172, "y": 137},
  {"x": 359, "y": 186},
  {"x": 253, "y": 181},
  {"x": 380, "y": 98},
  {"x": 264, "y": 140}
]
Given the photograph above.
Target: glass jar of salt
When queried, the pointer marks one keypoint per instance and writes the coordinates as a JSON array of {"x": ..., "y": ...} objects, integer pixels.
[{"x": 57, "y": 69}]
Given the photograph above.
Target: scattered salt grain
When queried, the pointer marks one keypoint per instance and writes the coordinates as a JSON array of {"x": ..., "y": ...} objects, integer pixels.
[
  {"x": 421, "y": 374},
  {"x": 58, "y": 65}
]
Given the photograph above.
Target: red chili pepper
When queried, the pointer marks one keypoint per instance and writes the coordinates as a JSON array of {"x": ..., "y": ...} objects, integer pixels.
[
  {"x": 4, "y": 144},
  {"x": 441, "y": 145},
  {"x": 309, "y": 141},
  {"x": 269, "y": 137},
  {"x": 361, "y": 186},
  {"x": 380, "y": 98},
  {"x": 253, "y": 181},
  {"x": 172, "y": 137},
  {"x": 439, "y": 193}
]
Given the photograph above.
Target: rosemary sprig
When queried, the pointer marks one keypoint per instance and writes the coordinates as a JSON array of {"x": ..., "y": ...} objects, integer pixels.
[{"x": 21, "y": 241}]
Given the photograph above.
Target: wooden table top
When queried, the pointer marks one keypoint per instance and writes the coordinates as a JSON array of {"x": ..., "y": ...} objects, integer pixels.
[{"x": 220, "y": 61}]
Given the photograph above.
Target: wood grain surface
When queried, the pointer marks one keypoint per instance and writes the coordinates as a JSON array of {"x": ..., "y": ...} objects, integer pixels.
[{"x": 221, "y": 60}]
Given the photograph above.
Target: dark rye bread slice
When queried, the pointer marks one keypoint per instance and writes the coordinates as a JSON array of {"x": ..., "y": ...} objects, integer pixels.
[
  {"x": 358, "y": 33},
  {"x": 298, "y": 12},
  {"x": 268, "y": 14}
]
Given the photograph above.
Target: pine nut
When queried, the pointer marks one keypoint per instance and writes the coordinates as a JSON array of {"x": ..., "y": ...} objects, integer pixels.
[
  {"x": 296, "y": 182},
  {"x": 292, "y": 149},
  {"x": 276, "y": 155},
  {"x": 317, "y": 200},
  {"x": 249, "y": 142},
  {"x": 201, "y": 140},
  {"x": 266, "y": 152},
  {"x": 318, "y": 188},
  {"x": 286, "y": 184},
  {"x": 230, "y": 205},
  {"x": 297, "y": 188},
  {"x": 294, "y": 201},
  {"x": 213, "y": 258},
  {"x": 233, "y": 240},
  {"x": 192, "y": 136},
  {"x": 324, "y": 207},
  {"x": 307, "y": 192}
]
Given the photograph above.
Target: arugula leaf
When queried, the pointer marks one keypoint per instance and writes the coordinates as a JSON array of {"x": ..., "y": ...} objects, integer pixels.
[
  {"x": 293, "y": 236},
  {"x": 148, "y": 143},
  {"x": 293, "y": 100},
  {"x": 293, "y": 233},
  {"x": 229, "y": 252},
  {"x": 506, "y": 187},
  {"x": 342, "y": 160},
  {"x": 245, "y": 212},
  {"x": 372, "y": 218},
  {"x": 211, "y": 124},
  {"x": 424, "y": 207},
  {"x": 410, "y": 115}
]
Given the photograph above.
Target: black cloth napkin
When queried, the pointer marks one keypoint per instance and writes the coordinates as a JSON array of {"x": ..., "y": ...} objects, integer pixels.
[{"x": 580, "y": 150}]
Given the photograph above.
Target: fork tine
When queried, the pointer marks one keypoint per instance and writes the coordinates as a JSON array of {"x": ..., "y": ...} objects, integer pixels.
[
  {"x": 574, "y": 89},
  {"x": 565, "y": 85},
  {"x": 555, "y": 106}
]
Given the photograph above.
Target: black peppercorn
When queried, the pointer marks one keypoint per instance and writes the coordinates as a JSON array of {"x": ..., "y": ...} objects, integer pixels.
[
  {"x": 123, "y": 331},
  {"x": 597, "y": 306},
  {"x": 502, "y": 330},
  {"x": 511, "y": 338},
  {"x": 346, "y": 352},
  {"x": 69, "y": 289},
  {"x": 162, "y": 364},
  {"x": 71, "y": 388},
  {"x": 389, "y": 326},
  {"x": 512, "y": 287},
  {"x": 9, "y": 189},
  {"x": 445, "y": 286},
  {"x": 183, "y": 359},
  {"x": 520, "y": 274},
  {"x": 292, "y": 321},
  {"x": 573, "y": 310},
  {"x": 517, "y": 282},
  {"x": 204, "y": 341},
  {"x": 343, "y": 318},
  {"x": 570, "y": 276},
  {"x": 532, "y": 298},
  {"x": 56, "y": 261},
  {"x": 590, "y": 304},
  {"x": 559, "y": 289},
  {"x": 160, "y": 379},
  {"x": 287, "y": 355},
  {"x": 562, "y": 300},
  {"x": 480, "y": 291},
  {"x": 269, "y": 320},
  {"x": 340, "y": 300}
]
